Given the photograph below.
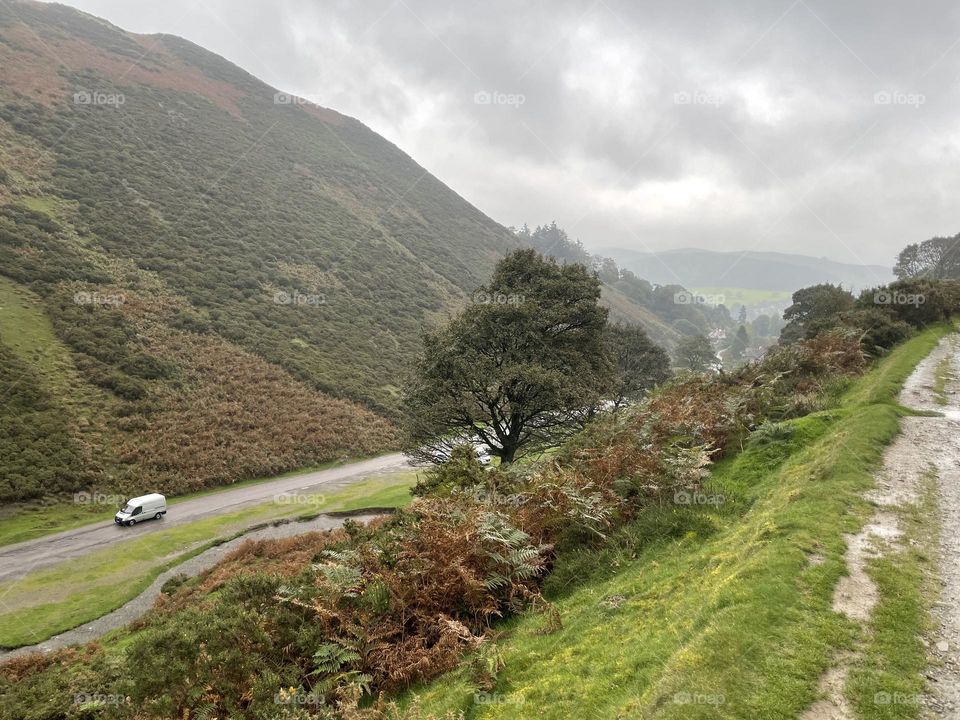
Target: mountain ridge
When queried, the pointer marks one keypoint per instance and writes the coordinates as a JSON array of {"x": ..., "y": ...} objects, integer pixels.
[{"x": 762, "y": 270}]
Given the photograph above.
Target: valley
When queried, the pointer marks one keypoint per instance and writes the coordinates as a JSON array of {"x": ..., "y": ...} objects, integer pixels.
[{"x": 458, "y": 362}]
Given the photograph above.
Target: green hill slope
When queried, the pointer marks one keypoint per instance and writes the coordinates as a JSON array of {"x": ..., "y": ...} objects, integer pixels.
[
  {"x": 232, "y": 279},
  {"x": 213, "y": 263}
]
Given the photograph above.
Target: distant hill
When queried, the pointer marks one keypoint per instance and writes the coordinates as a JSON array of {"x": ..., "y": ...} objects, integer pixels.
[
  {"x": 666, "y": 311},
  {"x": 769, "y": 271}
]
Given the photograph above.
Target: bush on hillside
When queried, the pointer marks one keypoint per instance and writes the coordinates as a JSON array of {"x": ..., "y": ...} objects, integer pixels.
[
  {"x": 918, "y": 302},
  {"x": 879, "y": 330}
]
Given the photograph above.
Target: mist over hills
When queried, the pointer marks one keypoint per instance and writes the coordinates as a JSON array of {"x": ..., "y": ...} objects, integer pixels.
[{"x": 781, "y": 272}]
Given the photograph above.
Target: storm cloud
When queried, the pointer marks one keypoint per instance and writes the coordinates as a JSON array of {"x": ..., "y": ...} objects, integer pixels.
[{"x": 799, "y": 126}]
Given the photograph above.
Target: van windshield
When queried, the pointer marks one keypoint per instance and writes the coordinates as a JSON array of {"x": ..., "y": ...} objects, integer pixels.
[{"x": 127, "y": 509}]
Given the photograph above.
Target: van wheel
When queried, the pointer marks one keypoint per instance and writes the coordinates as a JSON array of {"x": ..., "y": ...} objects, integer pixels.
[
  {"x": 131, "y": 523},
  {"x": 158, "y": 516}
]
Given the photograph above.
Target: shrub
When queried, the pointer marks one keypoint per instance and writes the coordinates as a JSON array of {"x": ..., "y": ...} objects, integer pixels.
[
  {"x": 462, "y": 470},
  {"x": 879, "y": 329}
]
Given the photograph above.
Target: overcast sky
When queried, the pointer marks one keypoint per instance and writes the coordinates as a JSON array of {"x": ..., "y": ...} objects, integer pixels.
[{"x": 812, "y": 126}]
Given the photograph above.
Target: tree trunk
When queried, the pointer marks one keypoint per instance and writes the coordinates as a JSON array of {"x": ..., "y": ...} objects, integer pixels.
[{"x": 507, "y": 453}]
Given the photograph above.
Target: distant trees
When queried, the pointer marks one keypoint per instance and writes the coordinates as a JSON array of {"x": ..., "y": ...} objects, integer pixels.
[
  {"x": 553, "y": 241},
  {"x": 935, "y": 259},
  {"x": 761, "y": 325},
  {"x": 697, "y": 354},
  {"x": 608, "y": 271},
  {"x": 738, "y": 347},
  {"x": 639, "y": 364},
  {"x": 673, "y": 304}
]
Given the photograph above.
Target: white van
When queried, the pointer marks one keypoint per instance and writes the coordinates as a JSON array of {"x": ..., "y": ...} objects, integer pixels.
[{"x": 142, "y": 508}]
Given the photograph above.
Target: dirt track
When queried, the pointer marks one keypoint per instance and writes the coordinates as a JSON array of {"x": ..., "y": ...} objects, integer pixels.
[{"x": 924, "y": 445}]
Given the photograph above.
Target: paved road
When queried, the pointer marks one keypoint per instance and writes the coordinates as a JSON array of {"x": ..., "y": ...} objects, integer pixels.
[{"x": 19, "y": 559}]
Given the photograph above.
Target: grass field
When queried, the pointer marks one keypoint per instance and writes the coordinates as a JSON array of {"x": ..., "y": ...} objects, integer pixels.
[
  {"x": 28, "y": 333},
  {"x": 744, "y": 296},
  {"x": 723, "y": 612},
  {"x": 64, "y": 596}
]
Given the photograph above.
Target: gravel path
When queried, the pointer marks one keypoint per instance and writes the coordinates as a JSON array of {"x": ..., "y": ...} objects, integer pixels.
[
  {"x": 924, "y": 443},
  {"x": 943, "y": 439},
  {"x": 139, "y": 605}
]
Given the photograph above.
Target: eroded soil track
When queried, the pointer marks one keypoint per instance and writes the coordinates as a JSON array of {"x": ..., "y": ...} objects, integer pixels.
[{"x": 925, "y": 446}]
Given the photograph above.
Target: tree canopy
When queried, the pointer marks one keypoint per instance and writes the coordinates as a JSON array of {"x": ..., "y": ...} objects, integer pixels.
[
  {"x": 639, "y": 363},
  {"x": 813, "y": 310},
  {"x": 936, "y": 259},
  {"x": 515, "y": 370},
  {"x": 697, "y": 354}
]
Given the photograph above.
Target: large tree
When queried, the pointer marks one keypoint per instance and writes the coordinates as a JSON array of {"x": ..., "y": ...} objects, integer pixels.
[
  {"x": 517, "y": 369},
  {"x": 934, "y": 259},
  {"x": 697, "y": 354}
]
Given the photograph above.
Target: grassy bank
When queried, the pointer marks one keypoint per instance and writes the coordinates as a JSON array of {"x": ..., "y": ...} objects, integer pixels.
[
  {"x": 66, "y": 595},
  {"x": 721, "y": 612}
]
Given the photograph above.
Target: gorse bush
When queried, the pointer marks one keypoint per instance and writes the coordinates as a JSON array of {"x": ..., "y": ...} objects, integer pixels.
[{"x": 884, "y": 316}]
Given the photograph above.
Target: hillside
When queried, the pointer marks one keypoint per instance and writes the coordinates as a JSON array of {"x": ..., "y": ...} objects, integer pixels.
[
  {"x": 699, "y": 590},
  {"x": 770, "y": 271},
  {"x": 204, "y": 279},
  {"x": 226, "y": 281}
]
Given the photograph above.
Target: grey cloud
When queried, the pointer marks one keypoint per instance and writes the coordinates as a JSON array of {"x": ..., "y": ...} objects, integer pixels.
[{"x": 806, "y": 125}]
